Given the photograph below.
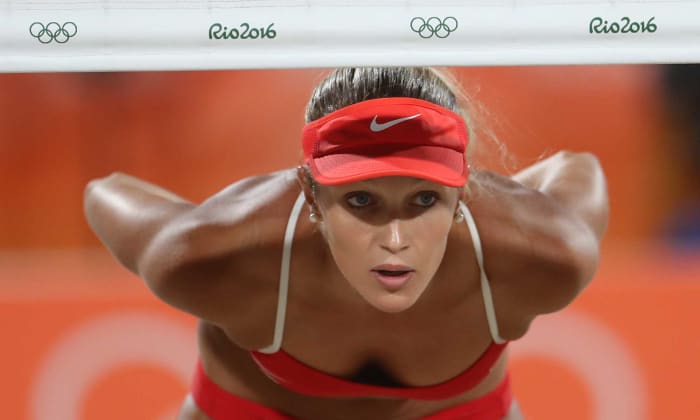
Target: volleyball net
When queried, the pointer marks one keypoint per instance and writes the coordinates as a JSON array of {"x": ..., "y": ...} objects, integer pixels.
[{"x": 122, "y": 35}]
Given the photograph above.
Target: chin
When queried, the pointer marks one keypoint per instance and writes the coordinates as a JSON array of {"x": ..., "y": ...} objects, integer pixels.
[{"x": 392, "y": 303}]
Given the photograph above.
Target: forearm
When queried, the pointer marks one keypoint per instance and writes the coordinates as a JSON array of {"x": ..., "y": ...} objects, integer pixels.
[{"x": 127, "y": 213}]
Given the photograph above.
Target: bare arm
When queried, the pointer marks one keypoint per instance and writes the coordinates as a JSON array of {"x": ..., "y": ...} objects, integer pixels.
[
  {"x": 541, "y": 232},
  {"x": 127, "y": 214},
  {"x": 577, "y": 182},
  {"x": 193, "y": 257},
  {"x": 160, "y": 237}
]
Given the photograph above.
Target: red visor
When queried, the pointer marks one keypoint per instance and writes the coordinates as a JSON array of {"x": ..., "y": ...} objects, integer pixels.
[{"x": 387, "y": 137}]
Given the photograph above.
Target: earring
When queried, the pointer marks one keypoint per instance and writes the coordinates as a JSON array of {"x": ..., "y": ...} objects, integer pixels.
[
  {"x": 313, "y": 217},
  {"x": 459, "y": 216}
]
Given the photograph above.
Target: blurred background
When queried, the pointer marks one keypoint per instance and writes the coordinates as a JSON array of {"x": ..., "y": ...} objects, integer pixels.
[{"x": 84, "y": 339}]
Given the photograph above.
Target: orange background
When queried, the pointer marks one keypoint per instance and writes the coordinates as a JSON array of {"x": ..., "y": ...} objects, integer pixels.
[{"x": 196, "y": 132}]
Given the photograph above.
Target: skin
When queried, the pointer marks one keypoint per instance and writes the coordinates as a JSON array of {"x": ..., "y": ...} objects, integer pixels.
[
  {"x": 219, "y": 260},
  {"x": 392, "y": 220}
]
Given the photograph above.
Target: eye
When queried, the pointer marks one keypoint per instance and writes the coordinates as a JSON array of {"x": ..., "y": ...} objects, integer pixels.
[
  {"x": 359, "y": 199},
  {"x": 425, "y": 198}
]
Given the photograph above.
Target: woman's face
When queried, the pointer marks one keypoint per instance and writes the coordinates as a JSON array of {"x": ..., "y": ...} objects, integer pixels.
[{"x": 388, "y": 235}]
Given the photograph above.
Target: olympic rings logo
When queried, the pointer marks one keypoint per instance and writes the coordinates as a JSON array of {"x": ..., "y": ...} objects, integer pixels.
[
  {"x": 53, "y": 31},
  {"x": 441, "y": 28}
]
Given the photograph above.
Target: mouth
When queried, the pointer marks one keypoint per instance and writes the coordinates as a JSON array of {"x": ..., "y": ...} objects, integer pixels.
[
  {"x": 392, "y": 273},
  {"x": 393, "y": 277},
  {"x": 392, "y": 269}
]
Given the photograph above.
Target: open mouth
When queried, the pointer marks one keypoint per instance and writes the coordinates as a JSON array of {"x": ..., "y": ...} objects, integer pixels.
[
  {"x": 392, "y": 269},
  {"x": 393, "y": 277},
  {"x": 393, "y": 273}
]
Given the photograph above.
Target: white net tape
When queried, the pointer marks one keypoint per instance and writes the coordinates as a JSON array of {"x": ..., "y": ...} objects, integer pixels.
[{"x": 88, "y": 35}]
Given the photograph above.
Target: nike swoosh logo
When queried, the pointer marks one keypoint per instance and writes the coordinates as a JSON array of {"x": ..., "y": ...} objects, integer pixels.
[{"x": 377, "y": 127}]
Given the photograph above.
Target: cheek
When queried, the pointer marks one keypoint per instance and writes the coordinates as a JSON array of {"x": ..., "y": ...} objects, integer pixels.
[
  {"x": 349, "y": 248},
  {"x": 432, "y": 239},
  {"x": 345, "y": 240}
]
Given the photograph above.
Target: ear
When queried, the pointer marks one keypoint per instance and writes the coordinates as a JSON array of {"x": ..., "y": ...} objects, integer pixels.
[
  {"x": 305, "y": 183},
  {"x": 461, "y": 194}
]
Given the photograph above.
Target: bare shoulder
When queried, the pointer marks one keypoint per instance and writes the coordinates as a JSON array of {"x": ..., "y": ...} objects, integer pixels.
[
  {"x": 245, "y": 214},
  {"x": 250, "y": 196}
]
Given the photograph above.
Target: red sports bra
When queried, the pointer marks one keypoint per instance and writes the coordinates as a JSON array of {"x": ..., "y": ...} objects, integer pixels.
[
  {"x": 296, "y": 376},
  {"x": 219, "y": 404}
]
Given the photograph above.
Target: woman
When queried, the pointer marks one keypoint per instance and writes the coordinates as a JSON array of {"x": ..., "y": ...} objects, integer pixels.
[{"x": 407, "y": 277}]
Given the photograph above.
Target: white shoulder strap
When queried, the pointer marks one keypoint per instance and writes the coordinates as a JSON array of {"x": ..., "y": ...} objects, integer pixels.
[
  {"x": 284, "y": 277},
  {"x": 485, "y": 287}
]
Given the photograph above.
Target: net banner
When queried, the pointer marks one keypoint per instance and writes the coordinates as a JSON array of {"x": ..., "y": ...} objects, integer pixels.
[{"x": 116, "y": 35}]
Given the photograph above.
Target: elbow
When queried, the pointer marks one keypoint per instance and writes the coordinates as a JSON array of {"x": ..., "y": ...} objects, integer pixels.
[
  {"x": 93, "y": 187},
  {"x": 596, "y": 210},
  {"x": 91, "y": 203},
  {"x": 94, "y": 200},
  {"x": 585, "y": 261},
  {"x": 571, "y": 265},
  {"x": 579, "y": 264},
  {"x": 585, "y": 195}
]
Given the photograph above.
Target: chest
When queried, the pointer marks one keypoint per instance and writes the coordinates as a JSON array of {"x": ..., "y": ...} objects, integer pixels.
[{"x": 414, "y": 349}]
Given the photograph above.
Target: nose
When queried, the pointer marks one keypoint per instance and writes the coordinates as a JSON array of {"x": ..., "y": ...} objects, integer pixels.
[{"x": 394, "y": 238}]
